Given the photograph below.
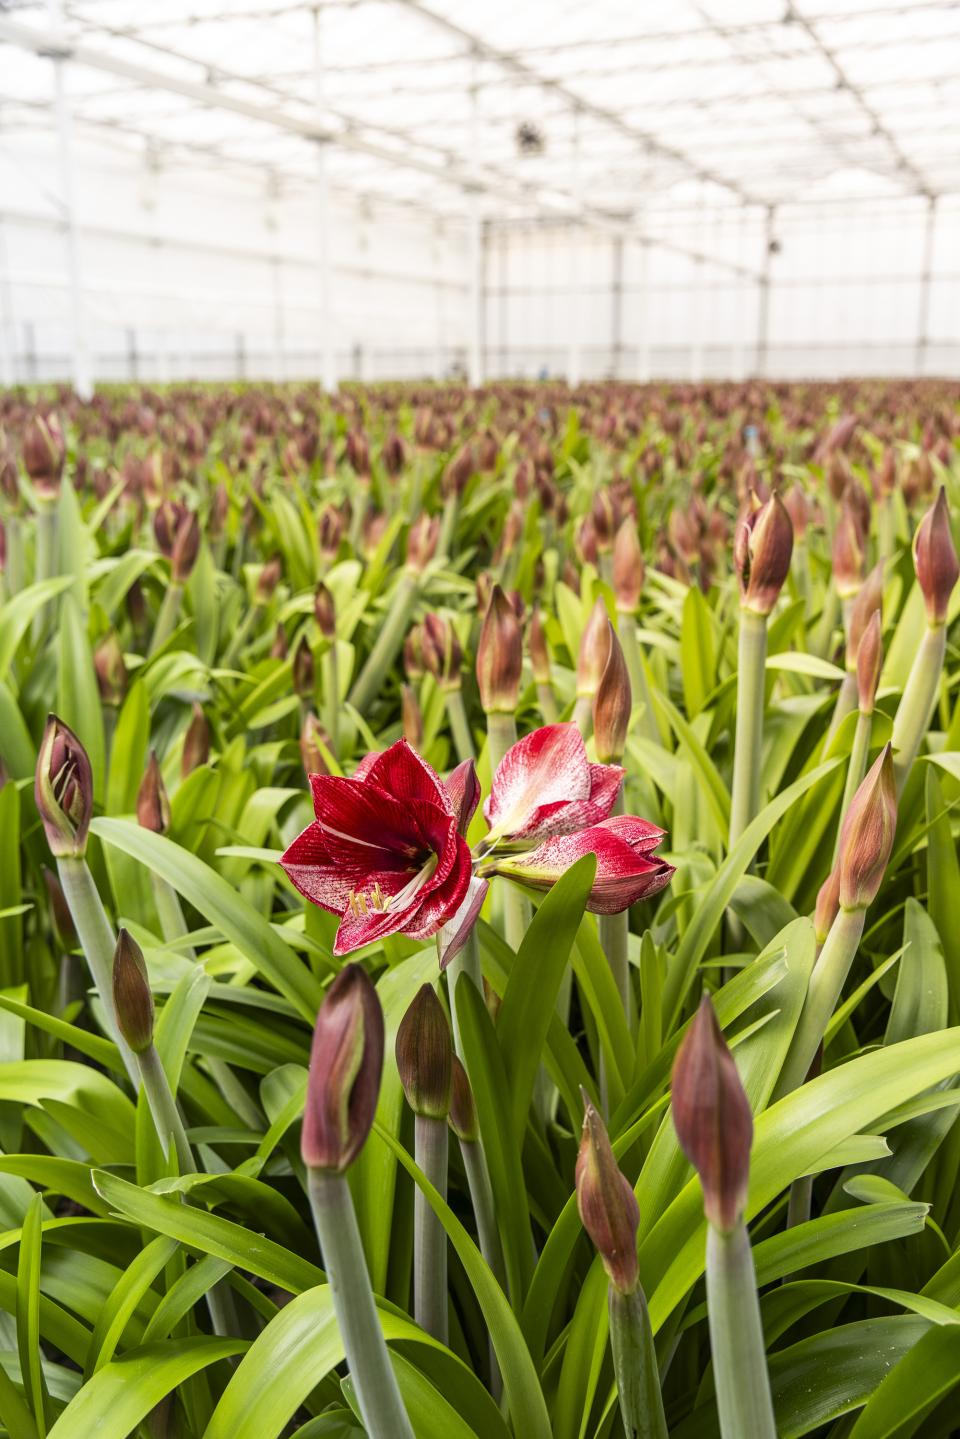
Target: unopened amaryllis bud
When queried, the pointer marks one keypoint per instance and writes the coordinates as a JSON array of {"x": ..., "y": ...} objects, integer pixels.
[
  {"x": 413, "y": 654},
  {"x": 110, "y": 669},
  {"x": 330, "y": 527},
  {"x": 762, "y": 549},
  {"x": 607, "y": 1204},
  {"x": 442, "y": 652},
  {"x": 303, "y": 669},
  {"x": 358, "y": 452},
  {"x": 411, "y": 716},
  {"x": 63, "y": 789},
  {"x": 153, "y": 804},
  {"x": 594, "y": 648},
  {"x": 712, "y": 1117},
  {"x": 132, "y": 997},
  {"x": 422, "y": 542},
  {"x": 828, "y": 906},
  {"x": 196, "y": 742},
  {"x": 170, "y": 515},
  {"x": 186, "y": 548},
  {"x": 424, "y": 1053},
  {"x": 280, "y": 647},
  {"x": 539, "y": 649},
  {"x": 935, "y": 559},
  {"x": 312, "y": 756},
  {"x": 63, "y": 924},
  {"x": 628, "y": 567},
  {"x": 268, "y": 579},
  {"x": 325, "y": 611},
  {"x": 499, "y": 656},
  {"x": 346, "y": 1062},
  {"x": 848, "y": 556},
  {"x": 867, "y": 834},
  {"x": 798, "y": 508},
  {"x": 869, "y": 662},
  {"x": 457, "y": 474},
  {"x": 393, "y": 454},
  {"x": 612, "y": 704},
  {"x": 867, "y": 603},
  {"x": 44, "y": 452},
  {"x": 463, "y": 1112}
]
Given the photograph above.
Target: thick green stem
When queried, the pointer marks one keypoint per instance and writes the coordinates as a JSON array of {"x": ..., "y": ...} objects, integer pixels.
[
  {"x": 241, "y": 634},
  {"x": 387, "y": 645},
  {"x": 501, "y": 734},
  {"x": 15, "y": 567},
  {"x": 856, "y": 768},
  {"x": 886, "y": 529},
  {"x": 459, "y": 728},
  {"x": 448, "y": 524},
  {"x": 825, "y": 987},
  {"x": 46, "y": 557},
  {"x": 98, "y": 942},
  {"x": 429, "y": 1235},
  {"x": 917, "y": 702},
  {"x": 800, "y": 1201},
  {"x": 167, "y": 618},
  {"x": 748, "y": 741},
  {"x": 481, "y": 1197},
  {"x": 635, "y": 1366},
  {"x": 163, "y": 1107},
  {"x": 466, "y": 962},
  {"x": 845, "y": 704},
  {"x": 378, "y": 1396},
  {"x": 547, "y": 703},
  {"x": 330, "y": 683},
  {"x": 614, "y": 932},
  {"x": 740, "y": 1376},
  {"x": 637, "y": 671}
]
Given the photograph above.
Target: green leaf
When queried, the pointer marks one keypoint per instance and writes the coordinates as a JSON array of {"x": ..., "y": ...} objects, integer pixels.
[
  {"x": 78, "y": 697},
  {"x": 79, "y": 1089},
  {"x": 902, "y": 1400},
  {"x": 17, "y": 615},
  {"x": 28, "y": 1315},
  {"x": 128, "y": 752},
  {"x": 698, "y": 652},
  {"x": 133, "y": 1284}
]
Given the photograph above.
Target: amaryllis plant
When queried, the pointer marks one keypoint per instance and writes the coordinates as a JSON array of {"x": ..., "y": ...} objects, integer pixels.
[{"x": 387, "y": 851}]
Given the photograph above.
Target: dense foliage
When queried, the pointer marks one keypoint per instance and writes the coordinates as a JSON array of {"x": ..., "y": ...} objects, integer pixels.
[{"x": 249, "y": 611}]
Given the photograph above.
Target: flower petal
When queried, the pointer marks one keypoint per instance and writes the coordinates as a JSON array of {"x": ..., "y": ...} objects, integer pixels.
[
  {"x": 404, "y": 774},
  {"x": 456, "y": 931},
  {"x": 539, "y": 774},
  {"x": 623, "y": 874},
  {"x": 308, "y": 867},
  {"x": 442, "y": 903},
  {"x": 463, "y": 787},
  {"x": 638, "y": 833}
]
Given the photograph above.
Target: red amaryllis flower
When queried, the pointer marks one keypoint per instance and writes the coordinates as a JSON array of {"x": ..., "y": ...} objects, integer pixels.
[
  {"x": 545, "y": 785},
  {"x": 384, "y": 851},
  {"x": 627, "y": 869}
]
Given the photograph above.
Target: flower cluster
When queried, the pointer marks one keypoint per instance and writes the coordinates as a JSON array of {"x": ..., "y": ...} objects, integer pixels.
[{"x": 387, "y": 852}]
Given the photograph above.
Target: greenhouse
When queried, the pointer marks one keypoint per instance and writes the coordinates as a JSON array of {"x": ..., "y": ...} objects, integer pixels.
[{"x": 479, "y": 719}]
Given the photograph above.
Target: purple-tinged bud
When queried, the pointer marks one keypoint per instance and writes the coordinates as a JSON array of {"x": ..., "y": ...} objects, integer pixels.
[
  {"x": 358, "y": 452},
  {"x": 935, "y": 559},
  {"x": 196, "y": 742},
  {"x": 442, "y": 652},
  {"x": 424, "y": 1053},
  {"x": 594, "y": 650},
  {"x": 63, "y": 789},
  {"x": 219, "y": 509},
  {"x": 268, "y": 579},
  {"x": 422, "y": 540},
  {"x": 539, "y": 649},
  {"x": 711, "y": 1114},
  {"x": 612, "y": 704},
  {"x": 393, "y": 454},
  {"x": 153, "y": 804},
  {"x": 325, "y": 611},
  {"x": 110, "y": 669},
  {"x": 762, "y": 550},
  {"x": 171, "y": 515},
  {"x": 848, "y": 556},
  {"x": 411, "y": 717},
  {"x": 827, "y": 907},
  {"x": 413, "y": 654},
  {"x": 303, "y": 670},
  {"x": 867, "y": 834},
  {"x": 798, "y": 508},
  {"x": 330, "y": 527},
  {"x": 869, "y": 663},
  {"x": 603, "y": 514},
  {"x": 136, "y": 605},
  {"x": 499, "y": 656},
  {"x": 186, "y": 548},
  {"x": 132, "y": 997},
  {"x": 346, "y": 1062},
  {"x": 310, "y": 752},
  {"x": 868, "y": 602},
  {"x": 607, "y": 1204},
  {"x": 44, "y": 452},
  {"x": 457, "y": 474},
  {"x": 63, "y": 925},
  {"x": 463, "y": 1112},
  {"x": 628, "y": 567}
]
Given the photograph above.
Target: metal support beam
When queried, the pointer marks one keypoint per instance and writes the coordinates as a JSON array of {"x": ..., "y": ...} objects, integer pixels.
[
  {"x": 763, "y": 312},
  {"x": 926, "y": 284},
  {"x": 616, "y": 309},
  {"x": 79, "y": 352},
  {"x": 328, "y": 374}
]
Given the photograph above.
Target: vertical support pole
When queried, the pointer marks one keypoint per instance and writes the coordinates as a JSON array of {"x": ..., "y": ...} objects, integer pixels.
[
  {"x": 926, "y": 284},
  {"x": 328, "y": 362},
  {"x": 8, "y": 343},
  {"x": 80, "y": 355},
  {"x": 279, "y": 346},
  {"x": 574, "y": 354},
  {"x": 477, "y": 301},
  {"x": 503, "y": 336},
  {"x": 133, "y": 357},
  {"x": 616, "y": 309},
  {"x": 240, "y": 351},
  {"x": 763, "y": 313},
  {"x": 643, "y": 363}
]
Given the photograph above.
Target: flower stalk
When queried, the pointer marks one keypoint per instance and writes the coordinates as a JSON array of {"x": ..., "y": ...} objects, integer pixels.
[
  {"x": 740, "y": 1375},
  {"x": 388, "y": 642}
]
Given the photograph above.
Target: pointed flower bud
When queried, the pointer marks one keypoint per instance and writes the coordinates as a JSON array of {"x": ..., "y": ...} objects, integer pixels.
[
  {"x": 44, "y": 452},
  {"x": 196, "y": 742},
  {"x": 867, "y": 834},
  {"x": 346, "y": 1062},
  {"x": 848, "y": 556},
  {"x": 268, "y": 579},
  {"x": 628, "y": 567},
  {"x": 186, "y": 548},
  {"x": 132, "y": 998},
  {"x": 612, "y": 704},
  {"x": 607, "y": 1204},
  {"x": 303, "y": 671},
  {"x": 868, "y": 602},
  {"x": 411, "y": 718},
  {"x": 153, "y": 804},
  {"x": 869, "y": 662},
  {"x": 310, "y": 752},
  {"x": 110, "y": 669},
  {"x": 828, "y": 906},
  {"x": 463, "y": 1112},
  {"x": 539, "y": 649},
  {"x": 499, "y": 656},
  {"x": 442, "y": 652},
  {"x": 422, "y": 540},
  {"x": 325, "y": 611},
  {"x": 594, "y": 649},
  {"x": 63, "y": 789},
  {"x": 762, "y": 549},
  {"x": 935, "y": 559},
  {"x": 798, "y": 508},
  {"x": 425, "y": 1055},
  {"x": 711, "y": 1114}
]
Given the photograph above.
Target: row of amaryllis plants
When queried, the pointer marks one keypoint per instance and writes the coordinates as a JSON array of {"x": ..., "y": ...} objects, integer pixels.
[{"x": 480, "y": 913}]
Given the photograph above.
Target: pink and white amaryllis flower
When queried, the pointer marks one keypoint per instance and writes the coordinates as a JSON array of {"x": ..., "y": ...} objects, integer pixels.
[
  {"x": 627, "y": 868},
  {"x": 545, "y": 786},
  {"x": 385, "y": 851}
]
